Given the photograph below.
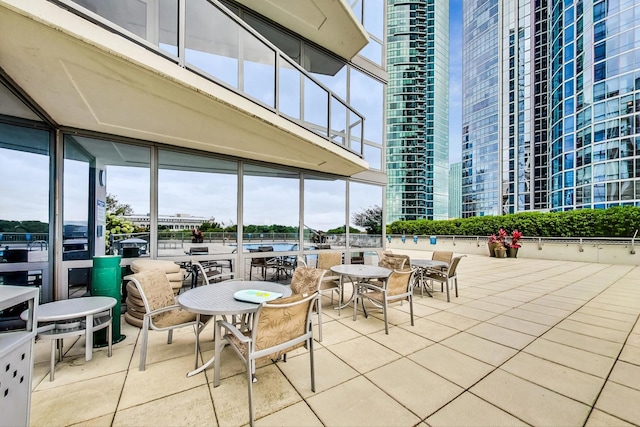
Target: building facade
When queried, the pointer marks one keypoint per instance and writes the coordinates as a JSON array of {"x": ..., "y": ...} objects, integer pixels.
[
  {"x": 505, "y": 95},
  {"x": 455, "y": 190},
  {"x": 417, "y": 109},
  {"x": 207, "y": 107},
  {"x": 595, "y": 99}
]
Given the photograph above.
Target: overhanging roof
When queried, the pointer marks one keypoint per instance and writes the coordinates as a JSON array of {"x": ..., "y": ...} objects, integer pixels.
[
  {"x": 86, "y": 77},
  {"x": 329, "y": 23}
]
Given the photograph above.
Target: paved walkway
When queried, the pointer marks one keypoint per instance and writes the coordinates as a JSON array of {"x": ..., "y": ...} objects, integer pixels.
[{"x": 527, "y": 342}]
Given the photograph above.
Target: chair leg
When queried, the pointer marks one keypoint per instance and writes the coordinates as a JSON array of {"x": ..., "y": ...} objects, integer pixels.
[
  {"x": 143, "y": 345},
  {"x": 313, "y": 373},
  {"x": 319, "y": 308},
  {"x": 384, "y": 309},
  {"x": 411, "y": 308},
  {"x": 455, "y": 282},
  {"x": 250, "y": 389},
  {"x": 217, "y": 350},
  {"x": 170, "y": 336},
  {"x": 447, "y": 283},
  {"x": 355, "y": 301}
]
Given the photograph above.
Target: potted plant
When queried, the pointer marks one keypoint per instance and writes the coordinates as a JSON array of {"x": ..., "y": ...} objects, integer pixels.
[
  {"x": 496, "y": 244},
  {"x": 514, "y": 245}
]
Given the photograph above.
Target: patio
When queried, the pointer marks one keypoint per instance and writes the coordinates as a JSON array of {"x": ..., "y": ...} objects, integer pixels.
[{"x": 528, "y": 342}]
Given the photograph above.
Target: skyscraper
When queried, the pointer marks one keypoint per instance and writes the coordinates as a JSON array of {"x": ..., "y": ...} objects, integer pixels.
[
  {"x": 417, "y": 109},
  {"x": 595, "y": 125},
  {"x": 550, "y": 105},
  {"x": 504, "y": 129}
]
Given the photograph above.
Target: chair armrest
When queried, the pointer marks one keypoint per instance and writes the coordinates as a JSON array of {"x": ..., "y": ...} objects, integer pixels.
[
  {"x": 234, "y": 331},
  {"x": 163, "y": 309}
]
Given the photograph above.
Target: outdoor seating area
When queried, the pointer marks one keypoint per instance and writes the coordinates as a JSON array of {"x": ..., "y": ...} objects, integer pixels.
[{"x": 528, "y": 342}]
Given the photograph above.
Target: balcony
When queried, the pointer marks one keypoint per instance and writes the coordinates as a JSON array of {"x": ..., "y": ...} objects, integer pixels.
[{"x": 223, "y": 88}]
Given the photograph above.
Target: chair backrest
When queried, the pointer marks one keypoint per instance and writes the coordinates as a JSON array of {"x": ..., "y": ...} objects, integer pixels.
[
  {"x": 328, "y": 259},
  {"x": 306, "y": 280},
  {"x": 280, "y": 321},
  {"x": 154, "y": 288},
  {"x": 442, "y": 256},
  {"x": 454, "y": 265},
  {"x": 398, "y": 282},
  {"x": 382, "y": 254},
  {"x": 407, "y": 261},
  {"x": 392, "y": 262},
  {"x": 301, "y": 261}
]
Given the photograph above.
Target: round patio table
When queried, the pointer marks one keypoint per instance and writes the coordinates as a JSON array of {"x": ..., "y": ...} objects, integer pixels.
[
  {"x": 422, "y": 266},
  {"x": 217, "y": 300},
  {"x": 359, "y": 273}
]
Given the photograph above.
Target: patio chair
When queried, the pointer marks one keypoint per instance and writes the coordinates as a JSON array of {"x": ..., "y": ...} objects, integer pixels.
[
  {"x": 162, "y": 313},
  {"x": 397, "y": 287},
  {"x": 305, "y": 281},
  {"x": 209, "y": 273},
  {"x": 393, "y": 261},
  {"x": 262, "y": 263},
  {"x": 331, "y": 282},
  {"x": 279, "y": 326},
  {"x": 447, "y": 277},
  {"x": 445, "y": 256}
]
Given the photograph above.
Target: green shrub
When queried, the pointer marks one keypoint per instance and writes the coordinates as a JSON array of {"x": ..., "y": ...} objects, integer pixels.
[{"x": 620, "y": 221}]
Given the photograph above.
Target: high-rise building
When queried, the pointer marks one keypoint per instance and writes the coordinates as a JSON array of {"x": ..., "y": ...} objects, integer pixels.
[
  {"x": 595, "y": 101},
  {"x": 225, "y": 108},
  {"x": 417, "y": 155},
  {"x": 504, "y": 119},
  {"x": 455, "y": 190},
  {"x": 550, "y": 111}
]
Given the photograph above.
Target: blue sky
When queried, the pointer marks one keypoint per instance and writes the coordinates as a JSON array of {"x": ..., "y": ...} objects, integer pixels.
[{"x": 455, "y": 80}]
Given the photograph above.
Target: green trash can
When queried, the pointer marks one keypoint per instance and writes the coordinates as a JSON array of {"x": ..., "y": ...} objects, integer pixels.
[{"x": 106, "y": 280}]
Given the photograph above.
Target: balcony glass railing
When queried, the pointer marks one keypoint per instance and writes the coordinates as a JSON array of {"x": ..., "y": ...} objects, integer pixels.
[{"x": 204, "y": 37}]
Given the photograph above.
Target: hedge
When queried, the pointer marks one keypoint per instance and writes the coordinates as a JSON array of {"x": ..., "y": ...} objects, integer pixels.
[{"x": 621, "y": 221}]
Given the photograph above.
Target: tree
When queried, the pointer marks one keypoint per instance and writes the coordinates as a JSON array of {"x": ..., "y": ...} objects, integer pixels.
[
  {"x": 116, "y": 207},
  {"x": 370, "y": 219}
]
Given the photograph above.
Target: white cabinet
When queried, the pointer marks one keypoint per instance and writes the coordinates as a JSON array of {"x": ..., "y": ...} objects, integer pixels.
[{"x": 16, "y": 358}]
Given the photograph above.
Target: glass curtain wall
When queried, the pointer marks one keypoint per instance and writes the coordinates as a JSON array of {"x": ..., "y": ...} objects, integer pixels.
[
  {"x": 365, "y": 220},
  {"x": 25, "y": 200}
]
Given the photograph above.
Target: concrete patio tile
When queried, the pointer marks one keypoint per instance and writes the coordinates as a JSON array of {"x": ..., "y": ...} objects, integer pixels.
[
  {"x": 630, "y": 354},
  {"x": 613, "y": 308},
  {"x": 472, "y": 313},
  {"x": 479, "y": 348},
  {"x": 359, "y": 402},
  {"x": 77, "y": 402},
  {"x": 453, "y": 320},
  {"x": 561, "y": 379},
  {"x": 501, "y": 335},
  {"x": 520, "y": 325},
  {"x": 142, "y": 386},
  {"x": 469, "y": 410},
  {"x": 557, "y": 302},
  {"x": 401, "y": 340},
  {"x": 452, "y": 365},
  {"x": 195, "y": 406},
  {"x": 407, "y": 382},
  {"x": 546, "y": 310},
  {"x": 502, "y": 301},
  {"x": 488, "y": 306},
  {"x": 271, "y": 393},
  {"x": 602, "y": 419},
  {"x": 608, "y": 314},
  {"x": 330, "y": 371},
  {"x": 362, "y": 325},
  {"x": 583, "y": 342},
  {"x": 620, "y": 401},
  {"x": 519, "y": 295},
  {"x": 295, "y": 415},
  {"x": 364, "y": 354},
  {"x": 529, "y": 402},
  {"x": 593, "y": 330},
  {"x": 430, "y": 330},
  {"x": 634, "y": 339},
  {"x": 183, "y": 344},
  {"x": 626, "y": 374},
  {"x": 582, "y": 360},
  {"x": 532, "y": 316},
  {"x": 103, "y": 421},
  {"x": 75, "y": 368},
  {"x": 334, "y": 332},
  {"x": 618, "y": 325}
]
